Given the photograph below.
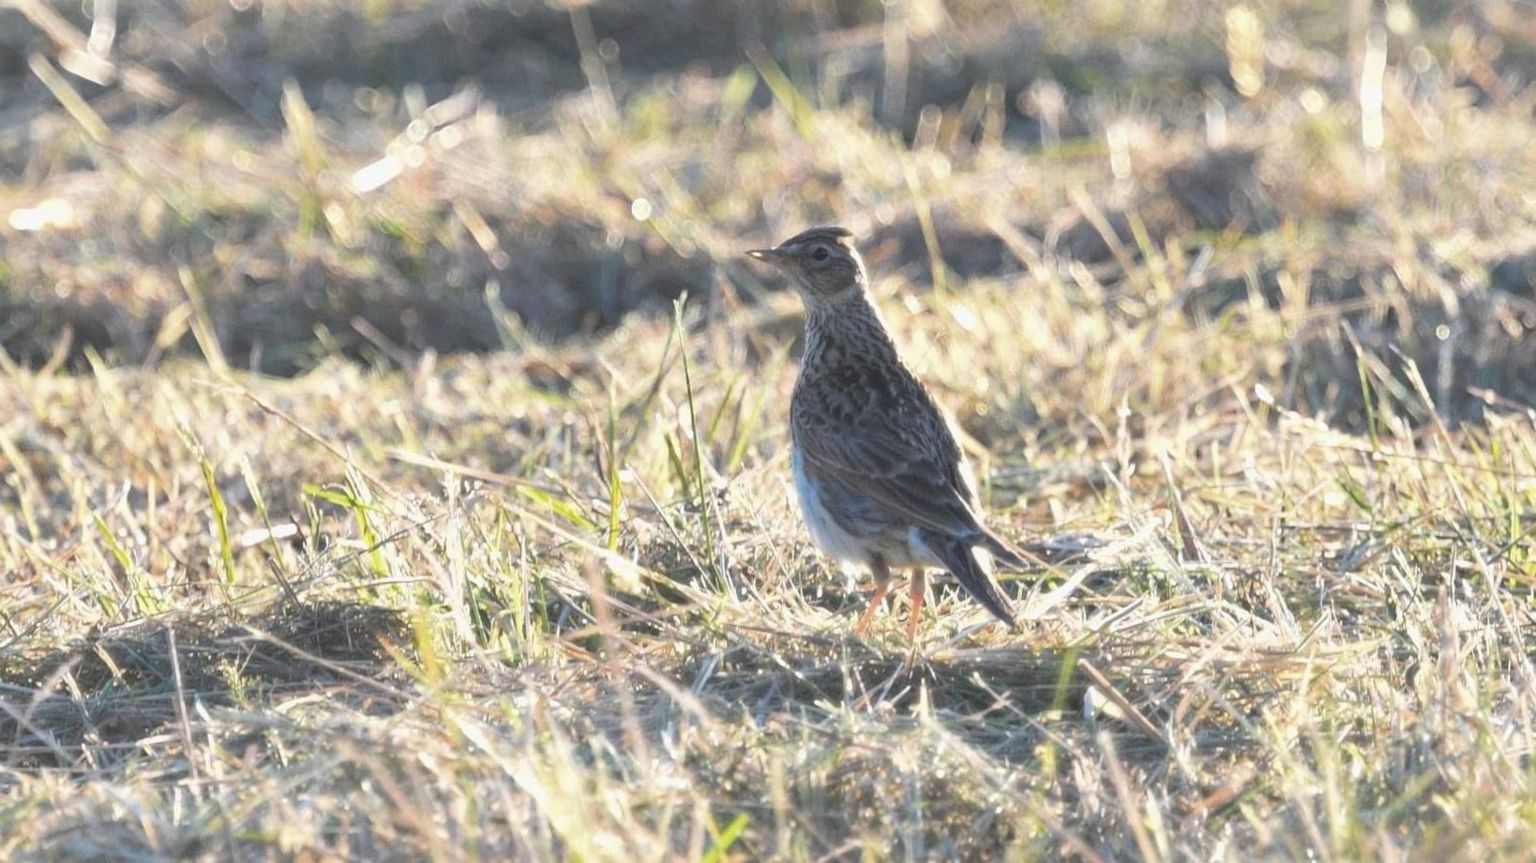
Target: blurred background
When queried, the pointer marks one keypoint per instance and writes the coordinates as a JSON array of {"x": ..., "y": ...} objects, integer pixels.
[{"x": 265, "y": 184}]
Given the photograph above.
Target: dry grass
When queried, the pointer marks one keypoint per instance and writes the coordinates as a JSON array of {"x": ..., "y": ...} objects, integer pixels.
[{"x": 361, "y": 495}]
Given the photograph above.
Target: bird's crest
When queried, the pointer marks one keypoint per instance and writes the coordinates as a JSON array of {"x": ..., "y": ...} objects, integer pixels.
[{"x": 841, "y": 236}]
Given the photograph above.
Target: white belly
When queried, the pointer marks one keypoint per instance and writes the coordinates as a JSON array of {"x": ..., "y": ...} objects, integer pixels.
[
  {"x": 902, "y": 550},
  {"x": 825, "y": 532}
]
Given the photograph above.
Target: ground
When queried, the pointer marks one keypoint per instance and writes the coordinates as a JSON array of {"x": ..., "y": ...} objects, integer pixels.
[{"x": 393, "y": 461}]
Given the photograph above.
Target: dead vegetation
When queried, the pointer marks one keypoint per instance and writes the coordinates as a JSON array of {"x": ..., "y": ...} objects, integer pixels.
[
  {"x": 364, "y": 494},
  {"x": 127, "y": 683}
]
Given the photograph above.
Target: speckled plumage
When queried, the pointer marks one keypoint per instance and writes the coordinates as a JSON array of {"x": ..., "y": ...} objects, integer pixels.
[{"x": 880, "y": 478}]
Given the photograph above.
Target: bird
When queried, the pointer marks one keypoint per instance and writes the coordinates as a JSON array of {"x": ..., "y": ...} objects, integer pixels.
[{"x": 880, "y": 478}]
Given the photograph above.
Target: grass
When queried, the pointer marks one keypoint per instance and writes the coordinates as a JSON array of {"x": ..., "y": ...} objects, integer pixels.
[{"x": 365, "y": 490}]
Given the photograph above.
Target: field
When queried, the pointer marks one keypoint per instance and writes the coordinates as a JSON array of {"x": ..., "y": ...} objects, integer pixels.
[{"x": 393, "y": 451}]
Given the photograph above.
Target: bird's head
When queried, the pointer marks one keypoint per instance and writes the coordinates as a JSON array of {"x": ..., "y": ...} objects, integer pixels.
[{"x": 822, "y": 263}]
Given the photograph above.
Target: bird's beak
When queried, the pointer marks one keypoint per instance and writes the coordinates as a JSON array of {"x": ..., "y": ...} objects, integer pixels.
[{"x": 769, "y": 256}]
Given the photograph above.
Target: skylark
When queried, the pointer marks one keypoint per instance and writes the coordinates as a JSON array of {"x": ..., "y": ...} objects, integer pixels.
[{"x": 880, "y": 478}]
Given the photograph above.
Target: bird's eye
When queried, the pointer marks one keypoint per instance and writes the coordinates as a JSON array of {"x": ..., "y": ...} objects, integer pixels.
[{"x": 820, "y": 254}]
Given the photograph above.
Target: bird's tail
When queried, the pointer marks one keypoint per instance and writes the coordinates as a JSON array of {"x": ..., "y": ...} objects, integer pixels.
[
  {"x": 960, "y": 559},
  {"x": 1006, "y": 554},
  {"x": 1037, "y": 555}
]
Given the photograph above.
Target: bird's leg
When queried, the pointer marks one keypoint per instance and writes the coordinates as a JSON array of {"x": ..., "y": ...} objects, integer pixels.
[
  {"x": 882, "y": 574},
  {"x": 919, "y": 590},
  {"x": 881, "y": 590}
]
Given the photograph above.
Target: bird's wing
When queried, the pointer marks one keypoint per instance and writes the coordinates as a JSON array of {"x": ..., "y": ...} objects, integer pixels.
[{"x": 886, "y": 439}]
